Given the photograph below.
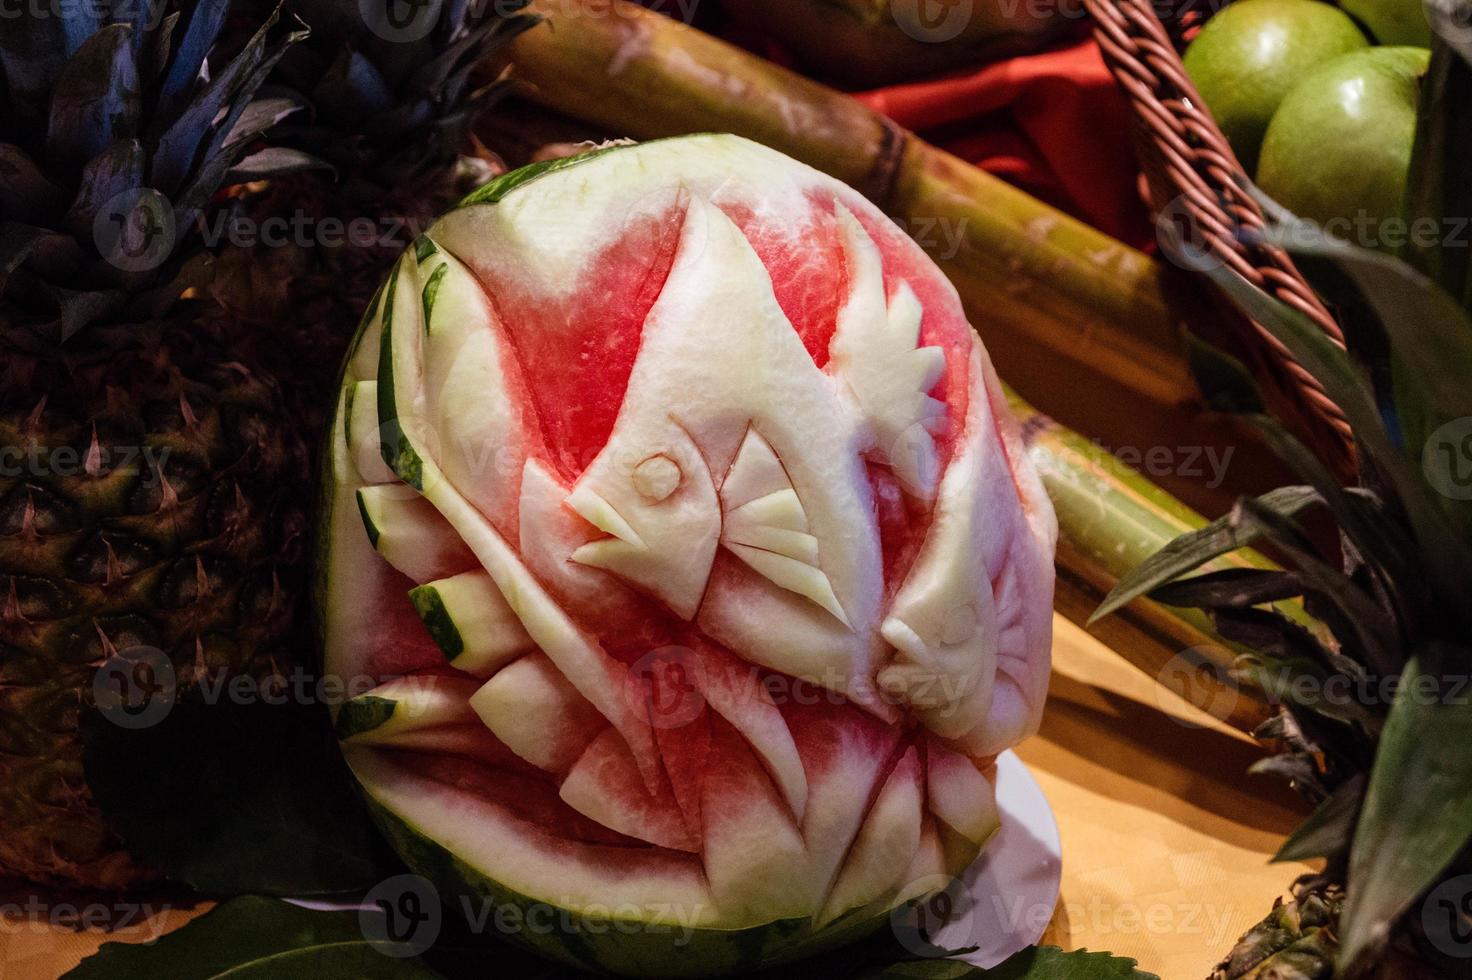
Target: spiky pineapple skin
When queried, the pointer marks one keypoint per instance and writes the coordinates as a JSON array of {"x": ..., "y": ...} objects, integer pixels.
[
  {"x": 146, "y": 500},
  {"x": 1295, "y": 942},
  {"x": 309, "y": 295},
  {"x": 1299, "y": 940}
]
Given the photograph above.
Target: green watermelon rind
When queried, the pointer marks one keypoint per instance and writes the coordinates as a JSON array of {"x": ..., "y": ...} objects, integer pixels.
[
  {"x": 431, "y": 608},
  {"x": 364, "y": 714},
  {"x": 605, "y": 944}
]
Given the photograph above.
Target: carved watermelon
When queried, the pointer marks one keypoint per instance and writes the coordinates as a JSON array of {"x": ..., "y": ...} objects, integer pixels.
[{"x": 678, "y": 522}]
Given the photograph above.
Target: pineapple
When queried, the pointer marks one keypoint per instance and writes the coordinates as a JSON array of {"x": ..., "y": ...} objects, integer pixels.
[
  {"x": 1386, "y": 768},
  {"x": 1295, "y": 942},
  {"x": 385, "y": 147},
  {"x": 144, "y": 483}
]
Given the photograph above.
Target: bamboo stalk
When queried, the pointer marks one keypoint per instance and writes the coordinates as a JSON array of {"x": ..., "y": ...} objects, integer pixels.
[{"x": 1027, "y": 273}]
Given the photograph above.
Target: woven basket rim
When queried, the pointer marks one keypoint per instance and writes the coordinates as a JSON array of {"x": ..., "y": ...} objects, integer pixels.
[{"x": 1195, "y": 178}]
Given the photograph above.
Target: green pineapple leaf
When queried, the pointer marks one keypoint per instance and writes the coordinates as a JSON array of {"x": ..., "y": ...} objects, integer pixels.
[
  {"x": 1230, "y": 588},
  {"x": 1439, "y": 166},
  {"x": 205, "y": 21},
  {"x": 1428, "y": 333},
  {"x": 1369, "y": 626},
  {"x": 1223, "y": 380},
  {"x": 196, "y": 141},
  {"x": 97, "y": 98},
  {"x": 1417, "y": 815},
  {"x": 1229, "y": 387},
  {"x": 1330, "y": 830},
  {"x": 1440, "y": 529},
  {"x": 1189, "y": 552}
]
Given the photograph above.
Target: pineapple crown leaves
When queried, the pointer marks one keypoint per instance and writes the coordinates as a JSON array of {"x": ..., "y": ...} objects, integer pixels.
[
  {"x": 394, "y": 100},
  {"x": 1391, "y": 774},
  {"x": 123, "y": 129}
]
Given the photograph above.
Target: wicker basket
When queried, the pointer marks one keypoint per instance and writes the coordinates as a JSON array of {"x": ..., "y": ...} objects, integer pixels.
[{"x": 1197, "y": 184}]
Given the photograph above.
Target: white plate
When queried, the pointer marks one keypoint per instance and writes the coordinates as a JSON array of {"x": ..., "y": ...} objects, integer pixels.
[{"x": 1003, "y": 903}]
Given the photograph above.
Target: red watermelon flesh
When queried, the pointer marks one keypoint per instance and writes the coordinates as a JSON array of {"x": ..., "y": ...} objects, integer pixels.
[{"x": 749, "y": 762}]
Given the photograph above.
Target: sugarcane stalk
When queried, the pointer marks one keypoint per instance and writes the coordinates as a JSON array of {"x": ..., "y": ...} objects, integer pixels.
[
  {"x": 1110, "y": 519},
  {"x": 1027, "y": 273},
  {"x": 877, "y": 42}
]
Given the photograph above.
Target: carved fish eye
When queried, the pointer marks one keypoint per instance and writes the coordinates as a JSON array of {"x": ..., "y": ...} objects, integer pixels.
[
  {"x": 656, "y": 477},
  {"x": 960, "y": 625}
]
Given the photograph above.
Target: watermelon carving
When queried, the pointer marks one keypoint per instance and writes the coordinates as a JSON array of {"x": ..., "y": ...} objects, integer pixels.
[{"x": 678, "y": 522}]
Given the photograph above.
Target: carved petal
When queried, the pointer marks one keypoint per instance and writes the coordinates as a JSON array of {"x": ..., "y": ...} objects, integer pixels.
[
  {"x": 886, "y": 843},
  {"x": 605, "y": 785},
  {"x": 735, "y": 692},
  {"x": 960, "y": 795},
  {"x": 531, "y": 707},
  {"x": 478, "y": 420},
  {"x": 470, "y": 621},
  {"x": 785, "y": 553},
  {"x": 874, "y": 351},
  {"x": 943, "y": 624}
]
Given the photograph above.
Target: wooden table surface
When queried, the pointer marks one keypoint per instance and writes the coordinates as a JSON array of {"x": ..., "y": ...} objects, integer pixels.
[{"x": 1166, "y": 838}]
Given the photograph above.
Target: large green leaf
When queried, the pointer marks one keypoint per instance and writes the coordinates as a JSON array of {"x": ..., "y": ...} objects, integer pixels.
[
  {"x": 1189, "y": 552},
  {"x": 254, "y": 938},
  {"x": 259, "y": 939},
  {"x": 1417, "y": 815},
  {"x": 235, "y": 798},
  {"x": 1036, "y": 963}
]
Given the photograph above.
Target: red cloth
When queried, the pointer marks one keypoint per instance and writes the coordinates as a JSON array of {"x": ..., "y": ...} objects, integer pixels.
[{"x": 1054, "y": 124}]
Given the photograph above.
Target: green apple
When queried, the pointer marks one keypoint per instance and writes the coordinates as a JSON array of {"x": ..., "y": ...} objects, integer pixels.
[
  {"x": 1339, "y": 149},
  {"x": 1248, "y": 56},
  {"x": 1392, "y": 22}
]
